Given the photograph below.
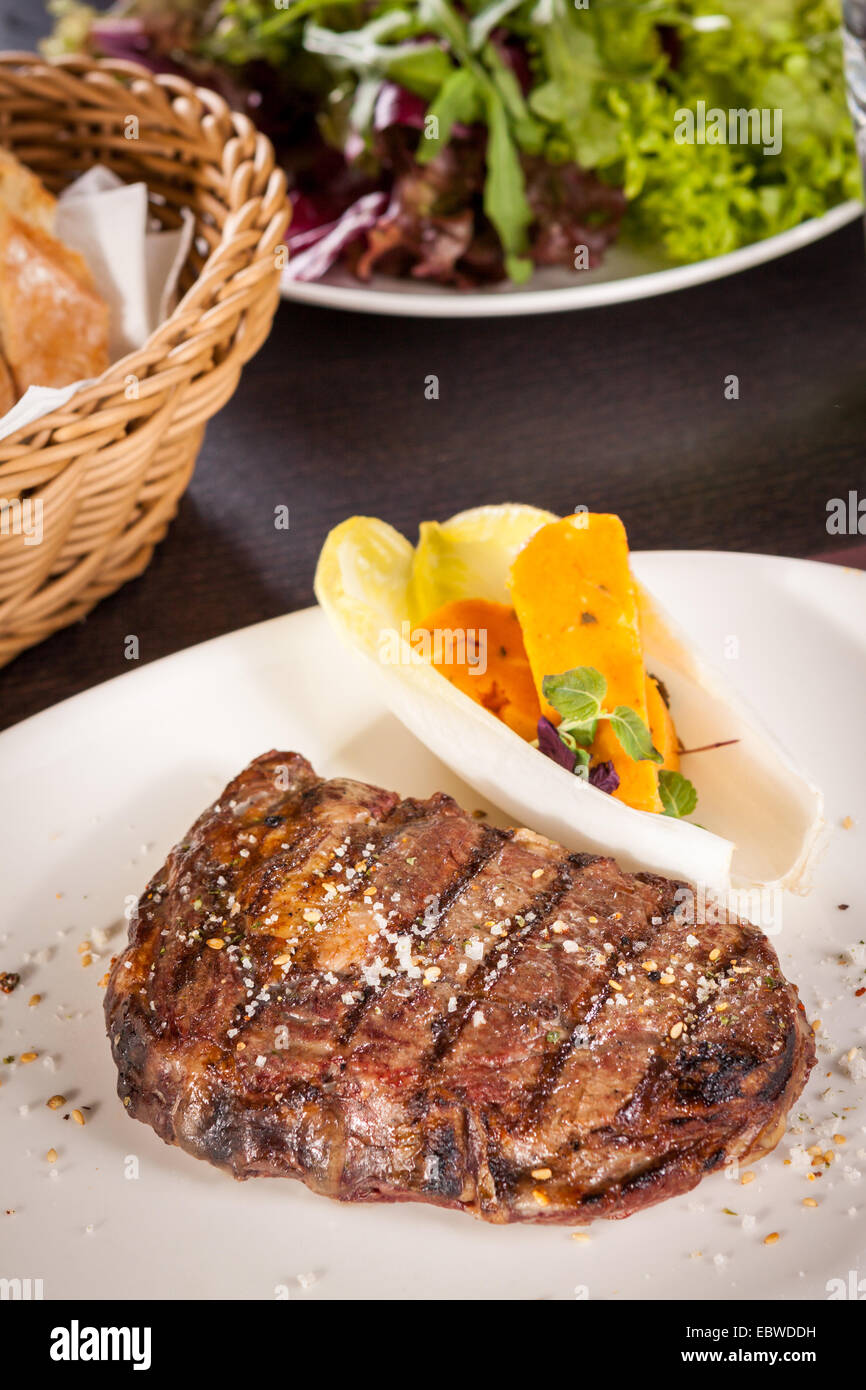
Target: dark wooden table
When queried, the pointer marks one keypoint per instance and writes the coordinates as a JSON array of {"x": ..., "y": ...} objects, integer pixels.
[{"x": 621, "y": 409}]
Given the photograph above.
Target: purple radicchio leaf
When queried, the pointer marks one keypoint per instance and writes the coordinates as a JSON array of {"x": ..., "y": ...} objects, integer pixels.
[
  {"x": 130, "y": 41},
  {"x": 604, "y": 776},
  {"x": 553, "y": 747},
  {"x": 396, "y": 106},
  {"x": 322, "y": 245}
]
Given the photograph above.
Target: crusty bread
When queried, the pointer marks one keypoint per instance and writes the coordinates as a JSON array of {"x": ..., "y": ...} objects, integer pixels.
[
  {"x": 22, "y": 193},
  {"x": 8, "y": 393},
  {"x": 53, "y": 323}
]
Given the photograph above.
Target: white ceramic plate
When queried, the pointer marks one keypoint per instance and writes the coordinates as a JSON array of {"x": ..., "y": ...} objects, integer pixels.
[
  {"x": 625, "y": 274},
  {"x": 96, "y": 790}
]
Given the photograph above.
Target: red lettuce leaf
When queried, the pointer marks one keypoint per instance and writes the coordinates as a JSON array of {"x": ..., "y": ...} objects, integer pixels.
[{"x": 317, "y": 248}]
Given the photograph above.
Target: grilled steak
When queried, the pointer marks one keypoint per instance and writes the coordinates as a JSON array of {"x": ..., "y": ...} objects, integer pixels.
[{"x": 391, "y": 1001}]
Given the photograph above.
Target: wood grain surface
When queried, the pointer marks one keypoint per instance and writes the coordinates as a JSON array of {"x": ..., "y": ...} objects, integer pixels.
[{"x": 621, "y": 409}]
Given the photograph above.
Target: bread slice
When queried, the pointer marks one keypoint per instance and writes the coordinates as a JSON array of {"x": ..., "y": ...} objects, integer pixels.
[
  {"x": 22, "y": 193},
  {"x": 8, "y": 393},
  {"x": 53, "y": 323}
]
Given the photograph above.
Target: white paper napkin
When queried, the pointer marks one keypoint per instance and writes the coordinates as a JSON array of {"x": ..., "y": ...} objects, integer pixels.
[{"x": 135, "y": 268}]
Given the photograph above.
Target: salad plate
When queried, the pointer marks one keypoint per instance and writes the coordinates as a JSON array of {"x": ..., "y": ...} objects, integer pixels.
[
  {"x": 625, "y": 275},
  {"x": 520, "y": 156},
  {"x": 103, "y": 784}
]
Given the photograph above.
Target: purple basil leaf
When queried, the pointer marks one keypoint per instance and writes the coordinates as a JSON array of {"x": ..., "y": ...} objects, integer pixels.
[
  {"x": 553, "y": 747},
  {"x": 313, "y": 260},
  {"x": 604, "y": 776}
]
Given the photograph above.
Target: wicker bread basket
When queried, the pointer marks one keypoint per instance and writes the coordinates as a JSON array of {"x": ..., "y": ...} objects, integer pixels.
[{"x": 110, "y": 467}]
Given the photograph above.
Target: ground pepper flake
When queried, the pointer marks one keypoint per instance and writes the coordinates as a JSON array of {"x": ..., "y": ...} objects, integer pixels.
[{"x": 9, "y": 980}]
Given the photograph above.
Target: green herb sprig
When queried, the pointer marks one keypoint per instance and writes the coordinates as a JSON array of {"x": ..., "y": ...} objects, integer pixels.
[{"x": 578, "y": 696}]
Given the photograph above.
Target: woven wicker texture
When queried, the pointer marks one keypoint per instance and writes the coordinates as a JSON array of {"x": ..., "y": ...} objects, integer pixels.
[{"x": 109, "y": 468}]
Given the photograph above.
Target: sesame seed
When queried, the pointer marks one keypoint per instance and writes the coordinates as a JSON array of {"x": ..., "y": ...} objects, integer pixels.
[
  {"x": 55, "y": 1102},
  {"x": 29, "y": 1056},
  {"x": 78, "y": 1117},
  {"x": 51, "y": 1156},
  {"x": 715, "y": 953},
  {"x": 541, "y": 1197},
  {"x": 34, "y": 1000},
  {"x": 86, "y": 960},
  {"x": 809, "y": 1202},
  {"x": 216, "y": 943},
  {"x": 537, "y": 873},
  {"x": 542, "y": 1174},
  {"x": 676, "y": 1030},
  {"x": 771, "y": 1238},
  {"x": 747, "y": 1178}
]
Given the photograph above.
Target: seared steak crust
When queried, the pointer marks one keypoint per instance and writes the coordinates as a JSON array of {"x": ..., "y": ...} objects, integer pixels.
[{"x": 391, "y": 1001}]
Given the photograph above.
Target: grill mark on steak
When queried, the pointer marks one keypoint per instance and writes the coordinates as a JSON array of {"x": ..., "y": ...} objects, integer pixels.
[
  {"x": 541, "y": 906},
  {"x": 489, "y": 844},
  {"x": 710, "y": 1072},
  {"x": 579, "y": 1027},
  {"x": 394, "y": 1096}
]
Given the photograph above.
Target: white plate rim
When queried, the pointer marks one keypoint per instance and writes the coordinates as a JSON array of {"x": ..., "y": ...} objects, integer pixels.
[{"x": 392, "y": 296}]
